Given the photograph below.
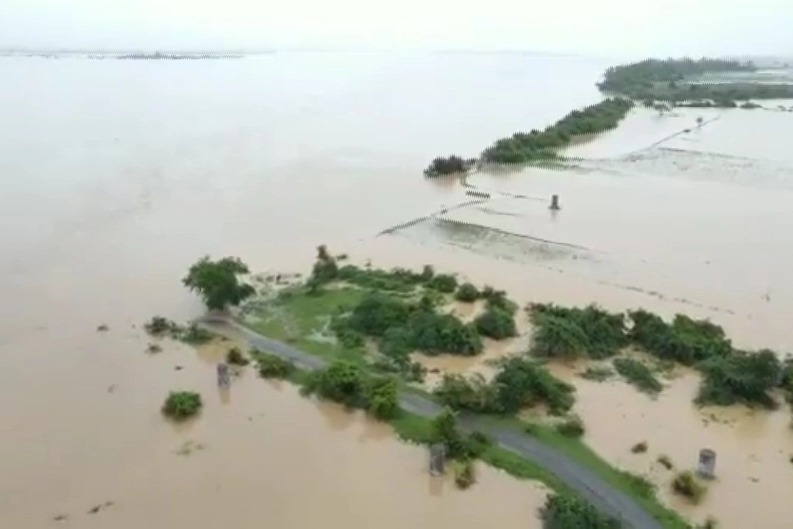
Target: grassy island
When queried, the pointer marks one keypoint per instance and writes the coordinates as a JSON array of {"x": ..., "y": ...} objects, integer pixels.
[
  {"x": 660, "y": 84},
  {"x": 679, "y": 80}
]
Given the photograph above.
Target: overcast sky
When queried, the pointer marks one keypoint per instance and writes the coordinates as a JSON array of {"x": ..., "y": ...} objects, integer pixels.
[{"x": 605, "y": 27}]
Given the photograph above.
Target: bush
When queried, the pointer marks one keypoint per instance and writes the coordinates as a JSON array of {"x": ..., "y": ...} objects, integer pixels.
[
  {"x": 521, "y": 383},
  {"x": 686, "y": 341},
  {"x": 666, "y": 462},
  {"x": 497, "y": 299},
  {"x": 639, "y": 448},
  {"x": 445, "y": 283},
  {"x": 466, "y": 293},
  {"x": 496, "y": 323},
  {"x": 181, "y": 405},
  {"x": 687, "y": 485},
  {"x": 597, "y": 374},
  {"x": 740, "y": 378},
  {"x": 471, "y": 393},
  {"x": 195, "y": 335},
  {"x": 571, "y": 427},
  {"x": 638, "y": 374},
  {"x": 159, "y": 326},
  {"x": 381, "y": 397},
  {"x": 443, "y": 333},
  {"x": 345, "y": 334},
  {"x": 571, "y": 512},
  {"x": 235, "y": 357},
  {"x": 271, "y": 366},
  {"x": 376, "y": 313},
  {"x": 573, "y": 332},
  {"x": 464, "y": 475},
  {"x": 450, "y": 165},
  {"x": 342, "y": 382}
]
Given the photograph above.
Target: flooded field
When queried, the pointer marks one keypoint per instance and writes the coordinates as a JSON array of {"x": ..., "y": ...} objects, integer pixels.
[{"x": 115, "y": 177}]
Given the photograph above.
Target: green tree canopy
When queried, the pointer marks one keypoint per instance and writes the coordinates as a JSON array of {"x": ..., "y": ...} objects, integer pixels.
[{"x": 218, "y": 282}]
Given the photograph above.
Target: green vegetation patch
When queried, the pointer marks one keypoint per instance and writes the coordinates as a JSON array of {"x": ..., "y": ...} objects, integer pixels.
[
  {"x": 524, "y": 147},
  {"x": 742, "y": 377},
  {"x": 449, "y": 165},
  {"x": 349, "y": 384},
  {"x": 686, "y": 484},
  {"x": 564, "y": 332},
  {"x": 638, "y": 375},
  {"x": 192, "y": 334},
  {"x": 518, "y": 384},
  {"x": 272, "y": 366},
  {"x": 496, "y": 323},
  {"x": 680, "y": 80},
  {"x": 181, "y": 405},
  {"x": 565, "y": 511}
]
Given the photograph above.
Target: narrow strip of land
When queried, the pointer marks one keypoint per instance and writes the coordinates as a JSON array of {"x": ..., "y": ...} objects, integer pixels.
[{"x": 580, "y": 479}]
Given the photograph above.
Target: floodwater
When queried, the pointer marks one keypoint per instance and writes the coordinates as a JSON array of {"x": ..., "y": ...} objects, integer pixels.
[{"x": 116, "y": 176}]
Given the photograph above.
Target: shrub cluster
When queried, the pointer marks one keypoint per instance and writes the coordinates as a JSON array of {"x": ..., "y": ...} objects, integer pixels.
[
  {"x": 163, "y": 327},
  {"x": 729, "y": 376},
  {"x": 519, "y": 383},
  {"x": 402, "y": 327},
  {"x": 574, "y": 332},
  {"x": 687, "y": 485},
  {"x": 349, "y": 384},
  {"x": 450, "y": 165},
  {"x": 638, "y": 375},
  {"x": 571, "y": 512},
  {"x": 496, "y": 323},
  {"x": 272, "y": 366}
]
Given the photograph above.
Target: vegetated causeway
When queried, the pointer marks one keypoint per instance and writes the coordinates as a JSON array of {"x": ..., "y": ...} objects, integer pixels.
[{"x": 656, "y": 83}]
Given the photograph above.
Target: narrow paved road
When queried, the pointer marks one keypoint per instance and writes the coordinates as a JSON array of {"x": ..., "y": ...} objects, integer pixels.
[{"x": 603, "y": 496}]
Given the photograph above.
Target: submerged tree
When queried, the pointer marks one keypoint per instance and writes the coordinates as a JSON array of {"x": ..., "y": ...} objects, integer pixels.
[{"x": 218, "y": 282}]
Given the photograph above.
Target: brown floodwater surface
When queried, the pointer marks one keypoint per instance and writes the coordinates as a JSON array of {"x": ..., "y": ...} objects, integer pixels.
[{"x": 116, "y": 175}]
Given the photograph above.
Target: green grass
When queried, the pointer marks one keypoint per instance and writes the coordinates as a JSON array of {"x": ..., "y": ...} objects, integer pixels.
[{"x": 303, "y": 320}]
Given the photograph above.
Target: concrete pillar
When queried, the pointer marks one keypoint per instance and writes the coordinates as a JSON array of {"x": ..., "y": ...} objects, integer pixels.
[
  {"x": 555, "y": 202},
  {"x": 224, "y": 377},
  {"x": 707, "y": 463},
  {"x": 437, "y": 459}
]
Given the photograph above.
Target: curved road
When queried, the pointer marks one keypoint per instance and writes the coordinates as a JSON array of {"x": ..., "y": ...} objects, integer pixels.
[{"x": 603, "y": 496}]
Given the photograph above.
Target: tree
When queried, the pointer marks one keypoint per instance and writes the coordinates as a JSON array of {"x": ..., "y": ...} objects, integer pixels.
[{"x": 218, "y": 282}]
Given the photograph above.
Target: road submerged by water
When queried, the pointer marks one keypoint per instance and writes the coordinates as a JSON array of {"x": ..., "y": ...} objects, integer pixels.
[{"x": 583, "y": 481}]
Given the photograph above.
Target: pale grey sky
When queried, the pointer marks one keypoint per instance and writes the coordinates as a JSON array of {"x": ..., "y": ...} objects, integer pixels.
[{"x": 621, "y": 27}]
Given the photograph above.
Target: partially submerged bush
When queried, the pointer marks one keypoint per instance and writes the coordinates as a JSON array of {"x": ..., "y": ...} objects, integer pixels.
[
  {"x": 471, "y": 393},
  {"x": 571, "y": 427},
  {"x": 597, "y": 374},
  {"x": 686, "y": 340},
  {"x": 687, "y": 485},
  {"x": 665, "y": 462},
  {"x": 740, "y": 378},
  {"x": 443, "y": 333},
  {"x": 195, "y": 335},
  {"x": 522, "y": 383},
  {"x": 381, "y": 397},
  {"x": 348, "y": 384},
  {"x": 573, "y": 332},
  {"x": 160, "y": 326},
  {"x": 181, "y": 405},
  {"x": 496, "y": 323},
  {"x": 466, "y": 293},
  {"x": 464, "y": 475},
  {"x": 638, "y": 374},
  {"x": 639, "y": 448},
  {"x": 235, "y": 357},
  {"x": 272, "y": 366},
  {"x": 445, "y": 283},
  {"x": 571, "y": 512}
]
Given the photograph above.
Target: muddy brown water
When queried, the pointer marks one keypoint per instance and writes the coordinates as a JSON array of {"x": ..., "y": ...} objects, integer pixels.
[{"x": 115, "y": 177}]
